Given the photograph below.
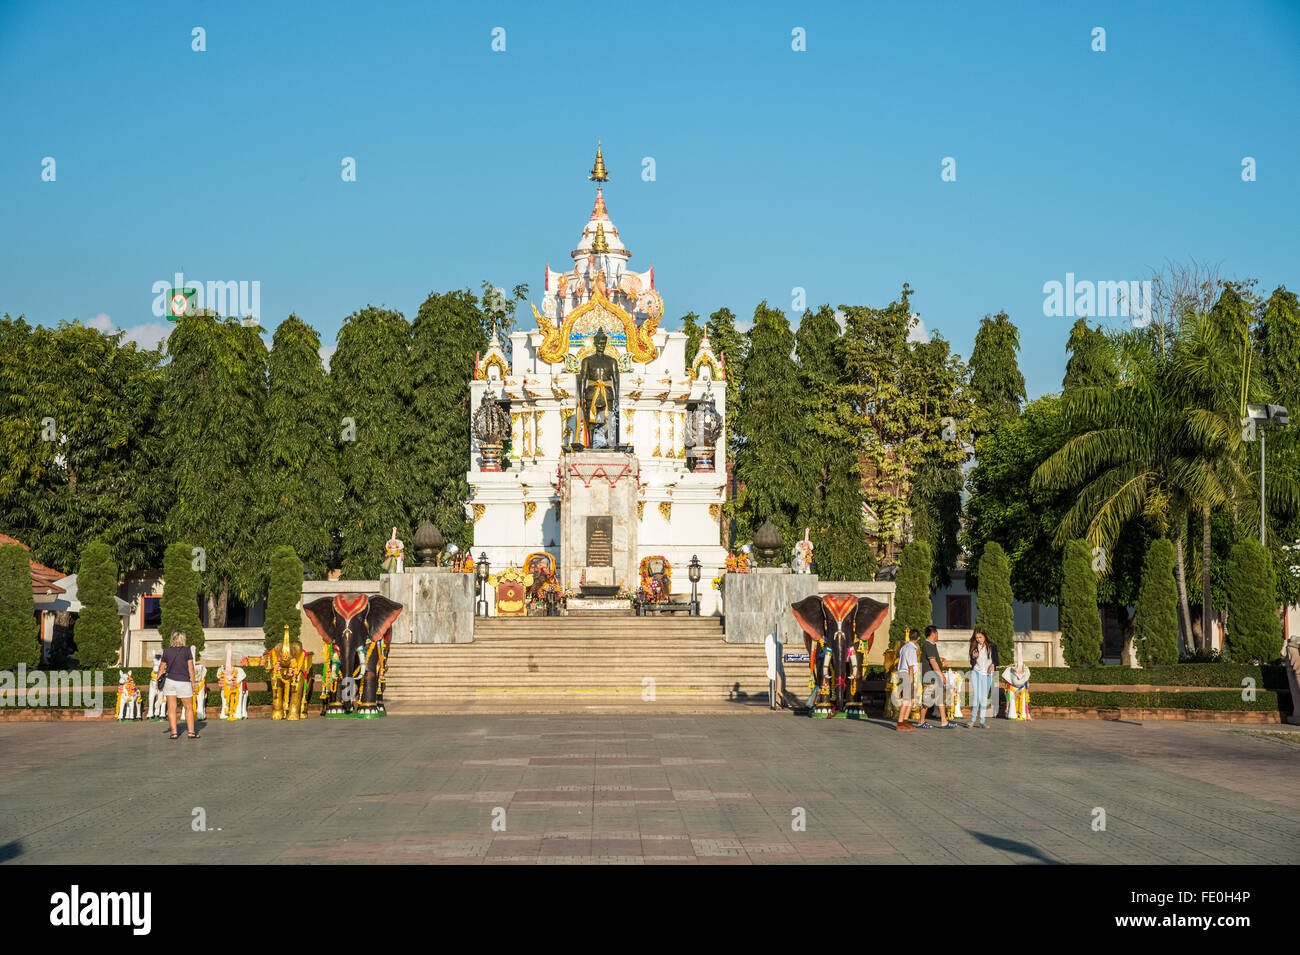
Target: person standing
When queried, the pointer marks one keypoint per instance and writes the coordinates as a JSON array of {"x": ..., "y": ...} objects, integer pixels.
[
  {"x": 177, "y": 672},
  {"x": 983, "y": 666},
  {"x": 932, "y": 679},
  {"x": 906, "y": 670}
]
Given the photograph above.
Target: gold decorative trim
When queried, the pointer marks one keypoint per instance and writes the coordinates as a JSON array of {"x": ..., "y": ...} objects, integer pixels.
[
  {"x": 666, "y": 510},
  {"x": 640, "y": 510},
  {"x": 715, "y": 512},
  {"x": 530, "y": 508},
  {"x": 478, "y": 511},
  {"x": 528, "y": 433},
  {"x": 702, "y": 359},
  {"x": 555, "y": 341},
  {"x": 480, "y": 373}
]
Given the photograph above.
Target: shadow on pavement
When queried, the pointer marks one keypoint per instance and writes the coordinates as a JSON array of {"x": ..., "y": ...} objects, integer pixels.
[{"x": 1010, "y": 845}]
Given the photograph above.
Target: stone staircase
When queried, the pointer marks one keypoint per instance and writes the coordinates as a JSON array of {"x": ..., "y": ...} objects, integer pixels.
[{"x": 597, "y": 662}]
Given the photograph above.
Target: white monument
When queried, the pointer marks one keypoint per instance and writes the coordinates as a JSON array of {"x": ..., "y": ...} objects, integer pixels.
[{"x": 659, "y": 490}]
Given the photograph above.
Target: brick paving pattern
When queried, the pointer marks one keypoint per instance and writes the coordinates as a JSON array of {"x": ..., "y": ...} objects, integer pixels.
[{"x": 667, "y": 789}]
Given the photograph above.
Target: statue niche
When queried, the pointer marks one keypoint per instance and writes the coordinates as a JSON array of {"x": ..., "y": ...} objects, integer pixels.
[{"x": 597, "y": 397}]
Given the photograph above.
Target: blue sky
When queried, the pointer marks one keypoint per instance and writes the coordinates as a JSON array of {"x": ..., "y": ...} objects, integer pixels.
[{"x": 775, "y": 169}]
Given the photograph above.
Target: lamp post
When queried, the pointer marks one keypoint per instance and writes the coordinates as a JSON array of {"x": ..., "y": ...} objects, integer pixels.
[
  {"x": 1264, "y": 417},
  {"x": 481, "y": 574},
  {"x": 693, "y": 572}
]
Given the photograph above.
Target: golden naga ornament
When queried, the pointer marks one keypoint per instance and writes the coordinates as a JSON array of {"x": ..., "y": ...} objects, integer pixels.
[{"x": 598, "y": 312}]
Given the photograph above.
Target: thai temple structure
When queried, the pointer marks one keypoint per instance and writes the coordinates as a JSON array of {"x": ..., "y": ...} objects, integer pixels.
[{"x": 600, "y": 508}]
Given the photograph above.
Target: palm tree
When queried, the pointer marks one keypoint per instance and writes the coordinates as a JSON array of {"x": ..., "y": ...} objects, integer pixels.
[{"x": 1163, "y": 446}]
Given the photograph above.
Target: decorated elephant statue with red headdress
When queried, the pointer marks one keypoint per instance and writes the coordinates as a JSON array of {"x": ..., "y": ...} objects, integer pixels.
[
  {"x": 838, "y": 633},
  {"x": 355, "y": 631}
]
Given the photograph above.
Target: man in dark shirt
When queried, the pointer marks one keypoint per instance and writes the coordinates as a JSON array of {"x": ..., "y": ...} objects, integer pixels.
[{"x": 932, "y": 678}]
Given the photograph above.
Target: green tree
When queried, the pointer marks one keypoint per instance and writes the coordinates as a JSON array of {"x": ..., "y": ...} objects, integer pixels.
[
  {"x": 767, "y": 464},
  {"x": 993, "y": 610},
  {"x": 996, "y": 384},
  {"x": 1080, "y": 618},
  {"x": 371, "y": 376},
  {"x": 20, "y": 638},
  {"x": 1278, "y": 337},
  {"x": 1254, "y": 630},
  {"x": 180, "y": 598},
  {"x": 935, "y": 450},
  {"x": 874, "y": 352},
  {"x": 730, "y": 346},
  {"x": 1155, "y": 624},
  {"x": 1092, "y": 360},
  {"x": 833, "y": 503},
  {"x": 912, "y": 607},
  {"x": 215, "y": 401},
  {"x": 79, "y": 409},
  {"x": 283, "y": 597},
  {"x": 694, "y": 331},
  {"x": 498, "y": 313},
  {"x": 98, "y": 630},
  {"x": 299, "y": 454},
  {"x": 446, "y": 337}
]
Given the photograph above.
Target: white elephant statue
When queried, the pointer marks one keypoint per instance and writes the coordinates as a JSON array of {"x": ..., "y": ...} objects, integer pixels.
[
  {"x": 128, "y": 697},
  {"x": 157, "y": 700}
]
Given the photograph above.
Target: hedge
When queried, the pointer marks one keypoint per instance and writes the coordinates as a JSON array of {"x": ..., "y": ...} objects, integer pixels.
[
  {"x": 1196, "y": 700},
  {"x": 1180, "y": 674}
]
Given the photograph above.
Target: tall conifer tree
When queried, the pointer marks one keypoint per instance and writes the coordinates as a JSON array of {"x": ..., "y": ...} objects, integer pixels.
[
  {"x": 19, "y": 633},
  {"x": 180, "y": 598},
  {"x": 1155, "y": 623},
  {"x": 216, "y": 395},
  {"x": 770, "y": 461},
  {"x": 1092, "y": 359},
  {"x": 98, "y": 629},
  {"x": 1080, "y": 618},
  {"x": 445, "y": 338},
  {"x": 996, "y": 384},
  {"x": 299, "y": 456},
  {"x": 833, "y": 503},
  {"x": 370, "y": 374},
  {"x": 283, "y": 597},
  {"x": 993, "y": 610},
  {"x": 912, "y": 606}
]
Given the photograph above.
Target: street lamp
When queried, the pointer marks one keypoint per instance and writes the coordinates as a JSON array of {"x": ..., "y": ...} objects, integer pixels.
[
  {"x": 1264, "y": 417},
  {"x": 481, "y": 573},
  {"x": 693, "y": 572}
]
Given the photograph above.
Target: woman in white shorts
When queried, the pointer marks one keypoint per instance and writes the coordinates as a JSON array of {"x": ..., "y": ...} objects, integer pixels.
[{"x": 178, "y": 659}]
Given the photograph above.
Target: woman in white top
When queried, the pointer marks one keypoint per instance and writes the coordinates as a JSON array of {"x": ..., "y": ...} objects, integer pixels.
[{"x": 983, "y": 666}]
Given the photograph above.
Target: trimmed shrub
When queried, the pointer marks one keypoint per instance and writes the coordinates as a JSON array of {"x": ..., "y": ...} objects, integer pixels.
[
  {"x": 911, "y": 592},
  {"x": 1196, "y": 700},
  {"x": 20, "y": 637},
  {"x": 1155, "y": 624},
  {"x": 283, "y": 597},
  {"x": 993, "y": 601},
  {"x": 1254, "y": 632},
  {"x": 98, "y": 630},
  {"x": 180, "y": 597},
  {"x": 1080, "y": 618}
]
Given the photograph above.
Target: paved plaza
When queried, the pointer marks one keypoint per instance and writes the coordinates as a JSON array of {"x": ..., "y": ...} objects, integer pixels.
[{"x": 648, "y": 789}]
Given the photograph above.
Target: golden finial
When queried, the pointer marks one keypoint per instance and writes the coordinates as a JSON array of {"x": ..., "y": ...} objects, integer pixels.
[
  {"x": 601, "y": 244},
  {"x": 598, "y": 173}
]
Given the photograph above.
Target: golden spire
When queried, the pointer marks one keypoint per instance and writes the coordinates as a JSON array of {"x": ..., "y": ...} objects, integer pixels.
[
  {"x": 598, "y": 173},
  {"x": 600, "y": 244}
]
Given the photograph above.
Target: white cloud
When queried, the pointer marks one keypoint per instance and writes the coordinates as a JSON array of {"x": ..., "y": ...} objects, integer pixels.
[
  {"x": 101, "y": 323},
  {"x": 918, "y": 332},
  {"x": 326, "y": 353},
  {"x": 150, "y": 335}
]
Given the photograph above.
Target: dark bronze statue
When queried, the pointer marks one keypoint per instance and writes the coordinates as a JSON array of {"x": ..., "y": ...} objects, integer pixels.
[{"x": 598, "y": 396}]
